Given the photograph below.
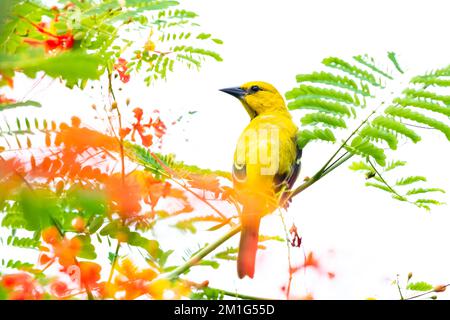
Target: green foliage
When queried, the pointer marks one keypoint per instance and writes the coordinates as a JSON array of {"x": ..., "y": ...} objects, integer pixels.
[
  {"x": 123, "y": 233},
  {"x": 158, "y": 163},
  {"x": 228, "y": 254},
  {"x": 402, "y": 188},
  {"x": 335, "y": 97},
  {"x": 65, "y": 65},
  {"x": 17, "y": 264},
  {"x": 87, "y": 248},
  {"x": 207, "y": 293},
  {"x": 23, "y": 242},
  {"x": 339, "y": 94},
  {"x": 27, "y": 103},
  {"x": 100, "y": 33},
  {"x": 419, "y": 286},
  {"x": 317, "y": 134},
  {"x": 189, "y": 224}
]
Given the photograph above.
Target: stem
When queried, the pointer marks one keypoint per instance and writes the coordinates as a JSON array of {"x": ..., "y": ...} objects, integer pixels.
[
  {"x": 399, "y": 289},
  {"x": 346, "y": 156},
  {"x": 382, "y": 179},
  {"x": 119, "y": 115},
  {"x": 345, "y": 142},
  {"x": 424, "y": 293},
  {"x": 202, "y": 253},
  {"x": 113, "y": 264},
  {"x": 288, "y": 289},
  {"x": 239, "y": 295}
]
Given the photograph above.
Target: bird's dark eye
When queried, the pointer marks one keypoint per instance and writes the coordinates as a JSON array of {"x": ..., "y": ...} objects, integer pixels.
[{"x": 255, "y": 88}]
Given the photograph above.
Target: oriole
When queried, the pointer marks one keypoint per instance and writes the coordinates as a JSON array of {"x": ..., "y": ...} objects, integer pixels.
[{"x": 266, "y": 163}]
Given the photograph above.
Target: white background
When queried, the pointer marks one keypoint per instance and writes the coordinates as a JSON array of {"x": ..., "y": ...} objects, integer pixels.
[{"x": 360, "y": 234}]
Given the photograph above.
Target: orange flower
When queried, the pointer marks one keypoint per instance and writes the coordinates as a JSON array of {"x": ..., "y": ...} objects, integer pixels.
[
  {"x": 134, "y": 282},
  {"x": 311, "y": 261},
  {"x": 8, "y": 80},
  {"x": 59, "y": 288},
  {"x": 5, "y": 100},
  {"x": 64, "y": 249},
  {"x": 205, "y": 182},
  {"x": 124, "y": 197},
  {"x": 51, "y": 235},
  {"x": 21, "y": 286},
  {"x": 53, "y": 42},
  {"x": 138, "y": 127},
  {"x": 156, "y": 189},
  {"x": 159, "y": 127},
  {"x": 67, "y": 250},
  {"x": 78, "y": 224},
  {"x": 121, "y": 68},
  {"x": 90, "y": 273}
]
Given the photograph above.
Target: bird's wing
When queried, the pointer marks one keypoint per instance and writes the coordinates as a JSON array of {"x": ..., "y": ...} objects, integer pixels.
[{"x": 287, "y": 179}]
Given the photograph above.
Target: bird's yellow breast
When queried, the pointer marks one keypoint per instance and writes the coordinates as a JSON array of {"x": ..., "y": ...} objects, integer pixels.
[{"x": 265, "y": 148}]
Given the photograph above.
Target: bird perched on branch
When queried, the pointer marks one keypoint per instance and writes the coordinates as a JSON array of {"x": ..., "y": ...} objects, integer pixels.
[{"x": 266, "y": 163}]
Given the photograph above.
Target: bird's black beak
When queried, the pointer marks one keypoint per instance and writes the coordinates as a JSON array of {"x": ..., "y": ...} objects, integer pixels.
[{"x": 235, "y": 92}]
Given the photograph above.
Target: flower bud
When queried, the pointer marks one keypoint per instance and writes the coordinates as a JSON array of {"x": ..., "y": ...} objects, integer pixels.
[{"x": 439, "y": 288}]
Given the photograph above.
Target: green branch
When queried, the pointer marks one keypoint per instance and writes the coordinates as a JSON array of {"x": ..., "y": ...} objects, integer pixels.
[
  {"x": 194, "y": 260},
  {"x": 238, "y": 295}
]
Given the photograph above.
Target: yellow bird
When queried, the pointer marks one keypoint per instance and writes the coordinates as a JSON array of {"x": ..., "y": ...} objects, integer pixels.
[{"x": 266, "y": 163}]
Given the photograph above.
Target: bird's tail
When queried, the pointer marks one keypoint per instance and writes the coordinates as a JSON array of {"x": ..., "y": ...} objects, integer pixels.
[{"x": 248, "y": 245}]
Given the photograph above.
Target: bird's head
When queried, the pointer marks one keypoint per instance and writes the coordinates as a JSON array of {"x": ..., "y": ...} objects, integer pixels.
[{"x": 258, "y": 97}]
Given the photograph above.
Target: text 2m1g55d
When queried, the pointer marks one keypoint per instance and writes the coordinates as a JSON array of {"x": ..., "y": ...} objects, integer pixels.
[{"x": 226, "y": 309}]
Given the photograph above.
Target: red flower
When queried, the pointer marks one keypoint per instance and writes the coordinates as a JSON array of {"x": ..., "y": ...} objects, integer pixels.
[
  {"x": 147, "y": 139},
  {"x": 121, "y": 68},
  {"x": 21, "y": 286},
  {"x": 159, "y": 127},
  {"x": 53, "y": 42},
  {"x": 5, "y": 100},
  {"x": 124, "y": 197},
  {"x": 59, "y": 288},
  {"x": 90, "y": 273},
  {"x": 8, "y": 80}
]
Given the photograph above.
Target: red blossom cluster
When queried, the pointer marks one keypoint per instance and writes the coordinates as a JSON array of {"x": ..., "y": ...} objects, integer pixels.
[
  {"x": 143, "y": 129},
  {"x": 53, "y": 42},
  {"x": 65, "y": 251},
  {"x": 6, "y": 100},
  {"x": 21, "y": 286},
  {"x": 121, "y": 67}
]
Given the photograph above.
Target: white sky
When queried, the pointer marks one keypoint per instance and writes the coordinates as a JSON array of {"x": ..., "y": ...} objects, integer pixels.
[{"x": 361, "y": 234}]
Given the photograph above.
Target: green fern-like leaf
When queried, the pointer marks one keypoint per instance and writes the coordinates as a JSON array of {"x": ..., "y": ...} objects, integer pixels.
[
  {"x": 394, "y": 164},
  {"x": 410, "y": 180},
  {"x": 311, "y": 92},
  {"x": 360, "y": 166},
  {"x": 23, "y": 242},
  {"x": 370, "y": 63},
  {"x": 399, "y": 128},
  {"x": 340, "y": 64},
  {"x": 323, "y": 118},
  {"x": 424, "y": 190},
  {"x": 320, "y": 105},
  {"x": 378, "y": 186},
  {"x": 305, "y": 136},
  {"x": 427, "y": 105},
  {"x": 418, "y": 117},
  {"x": 423, "y": 94},
  {"x": 365, "y": 148},
  {"x": 376, "y": 133},
  {"x": 333, "y": 80}
]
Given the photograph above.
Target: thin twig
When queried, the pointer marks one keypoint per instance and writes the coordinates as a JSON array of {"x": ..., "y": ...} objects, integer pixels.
[
  {"x": 201, "y": 254},
  {"x": 425, "y": 293}
]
